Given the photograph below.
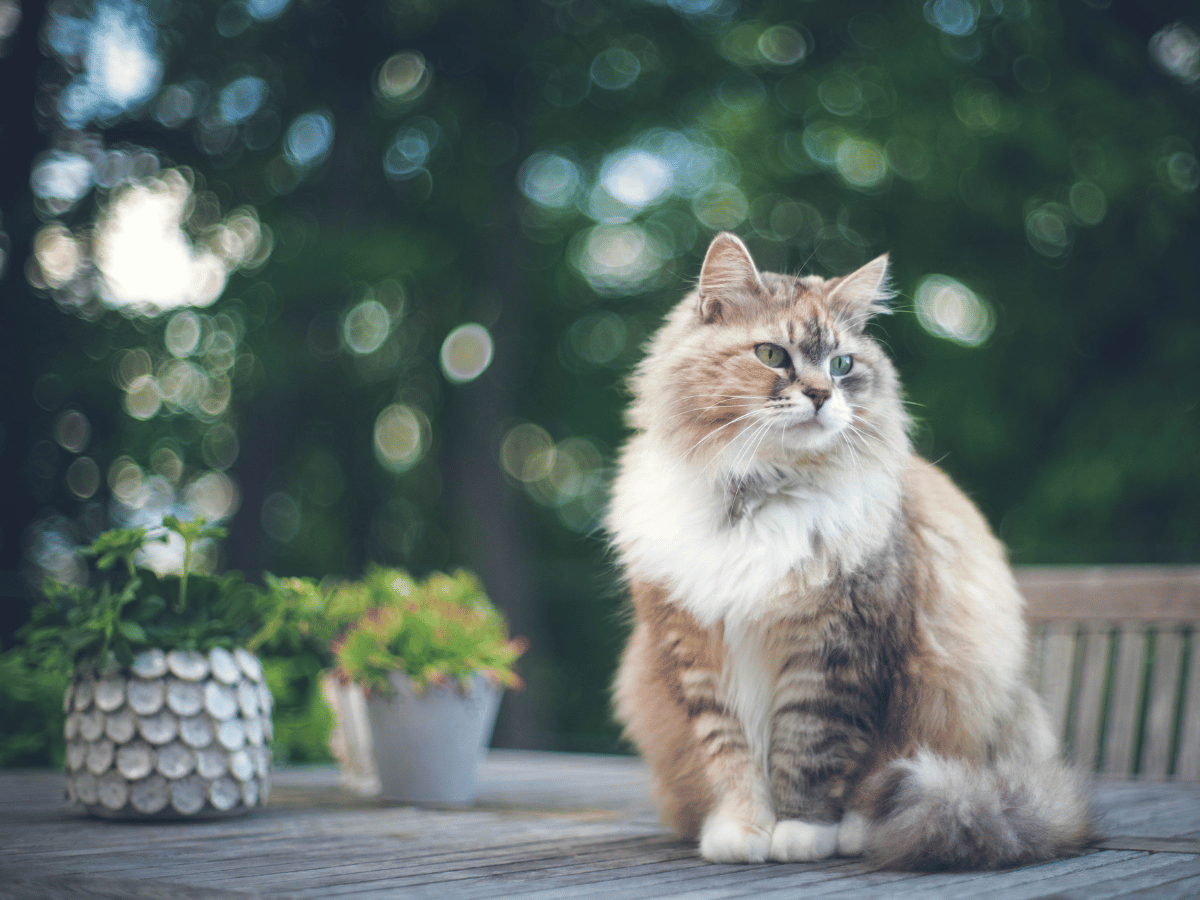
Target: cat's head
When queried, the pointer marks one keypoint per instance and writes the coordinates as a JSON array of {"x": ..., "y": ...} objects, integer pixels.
[{"x": 755, "y": 369}]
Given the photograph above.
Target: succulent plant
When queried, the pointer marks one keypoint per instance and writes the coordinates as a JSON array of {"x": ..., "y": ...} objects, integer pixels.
[{"x": 439, "y": 629}]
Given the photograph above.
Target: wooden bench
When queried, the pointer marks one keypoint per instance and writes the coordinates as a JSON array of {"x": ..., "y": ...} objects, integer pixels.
[{"x": 1116, "y": 657}]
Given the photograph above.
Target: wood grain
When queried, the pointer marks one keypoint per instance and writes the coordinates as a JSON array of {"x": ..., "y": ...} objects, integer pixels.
[{"x": 546, "y": 827}]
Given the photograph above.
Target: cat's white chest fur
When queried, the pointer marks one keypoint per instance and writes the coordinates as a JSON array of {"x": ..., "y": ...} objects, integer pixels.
[{"x": 672, "y": 524}]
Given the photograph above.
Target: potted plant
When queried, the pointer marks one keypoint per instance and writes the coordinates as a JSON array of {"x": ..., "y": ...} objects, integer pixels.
[
  {"x": 419, "y": 669},
  {"x": 167, "y": 714}
]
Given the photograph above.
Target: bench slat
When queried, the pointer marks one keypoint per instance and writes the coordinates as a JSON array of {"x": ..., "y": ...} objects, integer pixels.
[
  {"x": 1187, "y": 766},
  {"x": 1089, "y": 703},
  {"x": 1122, "y": 728},
  {"x": 1111, "y": 593},
  {"x": 1058, "y": 667},
  {"x": 1164, "y": 695}
]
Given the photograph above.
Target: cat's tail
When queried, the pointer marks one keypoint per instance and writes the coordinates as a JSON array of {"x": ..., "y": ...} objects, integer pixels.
[{"x": 930, "y": 812}]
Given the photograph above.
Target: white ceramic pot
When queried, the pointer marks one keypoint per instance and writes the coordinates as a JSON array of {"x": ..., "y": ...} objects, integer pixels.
[
  {"x": 428, "y": 746},
  {"x": 178, "y": 734}
]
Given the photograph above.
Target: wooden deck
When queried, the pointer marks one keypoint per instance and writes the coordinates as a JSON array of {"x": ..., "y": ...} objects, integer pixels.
[{"x": 546, "y": 826}]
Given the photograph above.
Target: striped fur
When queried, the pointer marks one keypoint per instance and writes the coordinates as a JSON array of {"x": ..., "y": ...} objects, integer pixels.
[{"x": 829, "y": 644}]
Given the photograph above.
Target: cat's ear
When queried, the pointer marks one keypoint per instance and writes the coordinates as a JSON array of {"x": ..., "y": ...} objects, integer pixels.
[
  {"x": 728, "y": 277},
  {"x": 861, "y": 295}
]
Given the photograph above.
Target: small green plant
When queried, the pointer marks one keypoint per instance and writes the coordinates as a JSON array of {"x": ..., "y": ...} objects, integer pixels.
[
  {"x": 437, "y": 630},
  {"x": 132, "y": 608}
]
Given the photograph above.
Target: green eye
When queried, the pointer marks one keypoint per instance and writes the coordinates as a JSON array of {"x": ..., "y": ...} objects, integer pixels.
[
  {"x": 840, "y": 365},
  {"x": 773, "y": 355}
]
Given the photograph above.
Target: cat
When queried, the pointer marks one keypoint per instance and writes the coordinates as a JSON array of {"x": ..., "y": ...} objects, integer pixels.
[{"x": 828, "y": 650}]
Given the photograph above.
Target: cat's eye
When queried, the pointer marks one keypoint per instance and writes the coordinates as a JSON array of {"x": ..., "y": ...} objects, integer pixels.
[
  {"x": 840, "y": 365},
  {"x": 773, "y": 355}
]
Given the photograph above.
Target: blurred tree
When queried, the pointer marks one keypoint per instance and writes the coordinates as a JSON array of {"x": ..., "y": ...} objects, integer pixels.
[{"x": 364, "y": 278}]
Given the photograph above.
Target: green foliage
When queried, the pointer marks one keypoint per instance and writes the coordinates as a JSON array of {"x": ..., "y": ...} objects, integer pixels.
[
  {"x": 1034, "y": 151},
  {"x": 435, "y": 630},
  {"x": 301, "y": 718},
  {"x": 91, "y": 626},
  {"x": 31, "y": 708},
  {"x": 307, "y": 616}
]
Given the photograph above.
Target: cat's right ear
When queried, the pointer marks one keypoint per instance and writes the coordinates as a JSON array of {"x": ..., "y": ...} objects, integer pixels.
[{"x": 728, "y": 277}]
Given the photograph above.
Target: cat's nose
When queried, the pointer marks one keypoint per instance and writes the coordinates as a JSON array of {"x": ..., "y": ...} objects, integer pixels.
[{"x": 817, "y": 395}]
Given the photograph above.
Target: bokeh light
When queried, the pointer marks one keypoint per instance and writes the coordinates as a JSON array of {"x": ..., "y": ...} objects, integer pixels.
[
  {"x": 1088, "y": 203},
  {"x": 83, "y": 477},
  {"x": 182, "y": 334},
  {"x": 60, "y": 178},
  {"x": 862, "y": 163},
  {"x": 615, "y": 69},
  {"x": 60, "y": 256},
  {"x": 527, "y": 452},
  {"x": 636, "y": 178},
  {"x": 265, "y": 10},
  {"x": 568, "y": 476},
  {"x": 954, "y": 17},
  {"x": 948, "y": 309},
  {"x": 401, "y": 437},
  {"x": 309, "y": 139},
  {"x": 117, "y": 48},
  {"x": 782, "y": 45},
  {"x": 366, "y": 326},
  {"x": 617, "y": 259},
  {"x": 466, "y": 353},
  {"x": 143, "y": 398},
  {"x": 1182, "y": 171},
  {"x": 403, "y": 77},
  {"x": 145, "y": 260},
  {"x": 1176, "y": 50},
  {"x": 242, "y": 98},
  {"x": 213, "y": 495},
  {"x": 72, "y": 430},
  {"x": 598, "y": 338},
  {"x": 1048, "y": 228},
  {"x": 550, "y": 180},
  {"x": 410, "y": 149}
]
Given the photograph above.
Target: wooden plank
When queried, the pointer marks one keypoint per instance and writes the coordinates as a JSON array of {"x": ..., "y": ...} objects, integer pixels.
[
  {"x": 1187, "y": 764},
  {"x": 1159, "y": 882},
  {"x": 1057, "y": 674},
  {"x": 1159, "y": 740},
  {"x": 360, "y": 849},
  {"x": 1111, "y": 593},
  {"x": 1090, "y": 697},
  {"x": 1121, "y": 730}
]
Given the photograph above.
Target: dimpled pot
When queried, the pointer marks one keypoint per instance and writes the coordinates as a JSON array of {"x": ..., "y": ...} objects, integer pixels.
[{"x": 163, "y": 739}]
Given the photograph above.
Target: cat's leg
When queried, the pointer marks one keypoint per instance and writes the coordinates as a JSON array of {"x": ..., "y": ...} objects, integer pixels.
[
  {"x": 669, "y": 694},
  {"x": 739, "y": 826},
  {"x": 820, "y": 738}
]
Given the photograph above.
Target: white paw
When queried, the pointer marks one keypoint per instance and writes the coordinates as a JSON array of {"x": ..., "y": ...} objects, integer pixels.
[
  {"x": 852, "y": 835},
  {"x": 731, "y": 841},
  {"x": 797, "y": 841}
]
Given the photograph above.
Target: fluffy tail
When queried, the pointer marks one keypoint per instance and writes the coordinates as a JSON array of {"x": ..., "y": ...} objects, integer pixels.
[{"x": 929, "y": 812}]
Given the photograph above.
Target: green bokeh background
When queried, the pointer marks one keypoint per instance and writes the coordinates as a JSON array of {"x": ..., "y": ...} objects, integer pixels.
[{"x": 953, "y": 134}]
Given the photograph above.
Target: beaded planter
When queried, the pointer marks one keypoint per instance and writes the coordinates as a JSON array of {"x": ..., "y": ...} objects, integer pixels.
[{"x": 178, "y": 734}]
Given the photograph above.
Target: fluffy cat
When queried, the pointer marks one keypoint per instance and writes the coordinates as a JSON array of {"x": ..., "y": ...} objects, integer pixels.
[{"x": 829, "y": 649}]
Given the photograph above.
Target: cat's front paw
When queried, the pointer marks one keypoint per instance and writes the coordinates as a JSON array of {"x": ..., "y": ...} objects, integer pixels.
[
  {"x": 796, "y": 841},
  {"x": 726, "y": 840}
]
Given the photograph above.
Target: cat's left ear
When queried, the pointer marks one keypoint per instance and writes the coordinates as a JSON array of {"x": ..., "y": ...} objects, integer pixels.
[
  {"x": 728, "y": 278},
  {"x": 862, "y": 294}
]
